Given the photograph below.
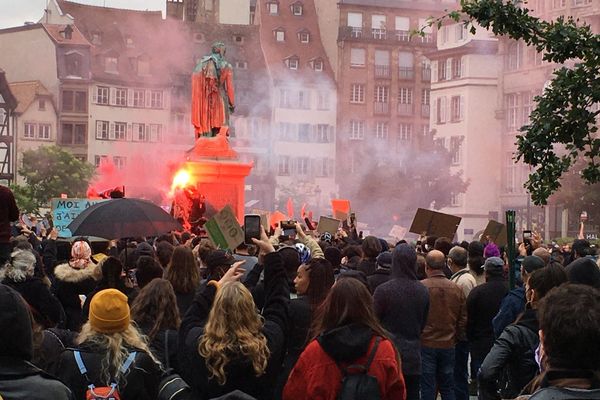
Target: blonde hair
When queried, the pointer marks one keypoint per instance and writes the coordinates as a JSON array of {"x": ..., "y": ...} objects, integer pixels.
[
  {"x": 116, "y": 352},
  {"x": 233, "y": 327}
]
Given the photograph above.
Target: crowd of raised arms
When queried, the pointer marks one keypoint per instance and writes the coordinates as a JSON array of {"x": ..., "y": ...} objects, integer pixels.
[{"x": 302, "y": 316}]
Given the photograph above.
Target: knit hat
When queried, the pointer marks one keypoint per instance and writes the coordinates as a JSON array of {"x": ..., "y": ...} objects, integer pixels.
[
  {"x": 333, "y": 255},
  {"x": 16, "y": 338},
  {"x": 491, "y": 250},
  {"x": 109, "y": 311},
  {"x": 532, "y": 263},
  {"x": 81, "y": 254},
  {"x": 384, "y": 260},
  {"x": 494, "y": 264},
  {"x": 584, "y": 271}
]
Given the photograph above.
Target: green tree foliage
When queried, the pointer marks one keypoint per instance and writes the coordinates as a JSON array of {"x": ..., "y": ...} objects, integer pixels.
[
  {"x": 562, "y": 128},
  {"x": 49, "y": 171},
  {"x": 577, "y": 196}
]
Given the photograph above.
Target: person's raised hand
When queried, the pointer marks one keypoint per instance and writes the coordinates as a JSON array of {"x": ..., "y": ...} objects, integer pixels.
[
  {"x": 233, "y": 274},
  {"x": 300, "y": 231},
  {"x": 264, "y": 244},
  {"x": 53, "y": 234},
  {"x": 522, "y": 250}
]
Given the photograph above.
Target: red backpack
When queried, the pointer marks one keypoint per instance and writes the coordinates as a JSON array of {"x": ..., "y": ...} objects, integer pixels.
[{"x": 103, "y": 392}]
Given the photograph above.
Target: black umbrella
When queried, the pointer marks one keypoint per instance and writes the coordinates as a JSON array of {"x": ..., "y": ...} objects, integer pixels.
[{"x": 121, "y": 218}]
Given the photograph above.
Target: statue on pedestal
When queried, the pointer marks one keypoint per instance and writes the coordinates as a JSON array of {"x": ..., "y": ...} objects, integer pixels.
[{"x": 212, "y": 94}]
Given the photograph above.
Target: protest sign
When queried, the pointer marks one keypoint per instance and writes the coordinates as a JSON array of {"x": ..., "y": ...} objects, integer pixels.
[
  {"x": 398, "y": 232},
  {"x": 224, "y": 229},
  {"x": 327, "y": 224},
  {"x": 64, "y": 211},
  {"x": 264, "y": 217},
  {"x": 340, "y": 209},
  {"x": 495, "y": 232},
  {"x": 433, "y": 223}
]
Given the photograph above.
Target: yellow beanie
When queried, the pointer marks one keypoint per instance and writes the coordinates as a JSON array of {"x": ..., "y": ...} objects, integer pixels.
[{"x": 109, "y": 311}]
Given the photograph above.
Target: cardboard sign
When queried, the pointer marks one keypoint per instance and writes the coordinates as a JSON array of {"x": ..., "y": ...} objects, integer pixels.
[
  {"x": 434, "y": 223},
  {"x": 64, "y": 211},
  {"x": 340, "y": 209},
  {"x": 264, "y": 217},
  {"x": 224, "y": 230},
  {"x": 496, "y": 232},
  {"x": 398, "y": 232},
  {"x": 327, "y": 224}
]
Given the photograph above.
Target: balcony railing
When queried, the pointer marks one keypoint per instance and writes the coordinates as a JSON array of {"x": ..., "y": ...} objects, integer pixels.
[
  {"x": 427, "y": 38},
  {"x": 381, "y": 108},
  {"x": 379, "y": 34},
  {"x": 425, "y": 110},
  {"x": 355, "y": 32},
  {"x": 405, "y": 109},
  {"x": 382, "y": 71},
  {"x": 403, "y": 36},
  {"x": 406, "y": 73},
  {"x": 426, "y": 74}
]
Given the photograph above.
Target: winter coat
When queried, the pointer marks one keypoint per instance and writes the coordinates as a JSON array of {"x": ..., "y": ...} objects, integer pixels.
[
  {"x": 567, "y": 385},
  {"x": 8, "y": 212},
  {"x": 511, "y": 364},
  {"x": 367, "y": 266},
  {"x": 318, "y": 376},
  {"x": 402, "y": 305},
  {"x": 381, "y": 275},
  {"x": 513, "y": 304},
  {"x": 141, "y": 381},
  {"x": 19, "y": 379},
  {"x": 184, "y": 301},
  {"x": 46, "y": 308},
  {"x": 483, "y": 304},
  {"x": 54, "y": 342},
  {"x": 68, "y": 284},
  {"x": 239, "y": 371},
  {"x": 157, "y": 345}
]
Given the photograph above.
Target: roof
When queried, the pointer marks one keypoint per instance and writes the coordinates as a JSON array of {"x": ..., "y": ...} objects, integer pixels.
[
  {"x": 429, "y": 5},
  {"x": 55, "y": 32},
  {"x": 26, "y": 93},
  {"x": 131, "y": 34},
  {"x": 6, "y": 92},
  {"x": 276, "y": 52}
]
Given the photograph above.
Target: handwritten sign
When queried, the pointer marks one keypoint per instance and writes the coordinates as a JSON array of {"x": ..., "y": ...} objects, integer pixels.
[
  {"x": 224, "y": 229},
  {"x": 64, "y": 211},
  {"x": 398, "y": 232}
]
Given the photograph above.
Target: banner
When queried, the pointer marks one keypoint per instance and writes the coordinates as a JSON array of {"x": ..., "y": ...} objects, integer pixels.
[
  {"x": 340, "y": 209},
  {"x": 64, "y": 211},
  {"x": 224, "y": 229},
  {"x": 433, "y": 223}
]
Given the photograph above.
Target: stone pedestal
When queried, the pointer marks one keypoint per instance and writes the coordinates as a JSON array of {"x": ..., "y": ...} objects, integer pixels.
[{"x": 218, "y": 174}]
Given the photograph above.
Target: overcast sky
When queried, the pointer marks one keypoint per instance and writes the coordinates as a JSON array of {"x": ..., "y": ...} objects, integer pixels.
[{"x": 16, "y": 12}]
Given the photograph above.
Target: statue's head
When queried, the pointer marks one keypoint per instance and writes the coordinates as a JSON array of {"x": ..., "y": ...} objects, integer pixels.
[{"x": 218, "y": 48}]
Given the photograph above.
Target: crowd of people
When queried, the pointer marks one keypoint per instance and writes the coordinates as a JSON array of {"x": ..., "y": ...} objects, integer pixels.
[{"x": 302, "y": 316}]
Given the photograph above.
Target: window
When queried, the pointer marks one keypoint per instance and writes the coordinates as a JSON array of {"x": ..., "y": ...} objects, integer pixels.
[
  {"x": 241, "y": 65},
  {"x": 425, "y": 69},
  {"x": 425, "y": 102},
  {"x": 119, "y": 162},
  {"x": 99, "y": 160},
  {"x": 120, "y": 131},
  {"x": 139, "y": 132},
  {"x": 357, "y": 130},
  {"x": 357, "y": 93},
  {"x": 405, "y": 65},
  {"x": 283, "y": 165},
  {"x": 74, "y": 63},
  {"x": 425, "y": 130},
  {"x": 273, "y": 8},
  {"x": 143, "y": 66},
  {"x": 381, "y": 130},
  {"x": 405, "y": 132},
  {"x": 324, "y": 167},
  {"x": 156, "y": 99},
  {"x": 296, "y": 8},
  {"x": 425, "y": 25},
  {"x": 512, "y": 111},
  {"x": 42, "y": 105},
  {"x": 304, "y": 133},
  {"x": 441, "y": 110},
  {"x": 442, "y": 73},
  {"x": 111, "y": 65},
  {"x": 577, "y": 3},
  {"x": 304, "y": 99},
  {"x": 318, "y": 65},
  {"x": 455, "y": 149},
  {"x": 322, "y": 132},
  {"x": 102, "y": 95},
  {"x": 557, "y": 4},
  {"x": 292, "y": 63},
  {"x": 44, "y": 131},
  {"x": 128, "y": 41},
  {"x": 97, "y": 38},
  {"x": 139, "y": 98},
  {"x": 457, "y": 67},
  {"x": 29, "y": 132},
  {"x": 279, "y": 35},
  {"x": 302, "y": 165},
  {"x": 403, "y": 29},
  {"x": 322, "y": 100},
  {"x": 73, "y": 133},
  {"x": 287, "y": 131},
  {"x": 304, "y": 37},
  {"x": 357, "y": 57},
  {"x": 454, "y": 199},
  {"x": 121, "y": 97},
  {"x": 382, "y": 98},
  {"x": 355, "y": 23},
  {"x": 527, "y": 100},
  {"x": 378, "y": 26},
  {"x": 460, "y": 32},
  {"x": 74, "y": 101},
  {"x": 285, "y": 98},
  {"x": 515, "y": 54},
  {"x": 405, "y": 101},
  {"x": 102, "y": 130},
  {"x": 382, "y": 64},
  {"x": 456, "y": 108}
]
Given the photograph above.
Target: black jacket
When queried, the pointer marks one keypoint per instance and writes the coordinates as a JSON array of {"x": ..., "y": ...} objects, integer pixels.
[
  {"x": 141, "y": 382},
  {"x": 68, "y": 284},
  {"x": 511, "y": 364},
  {"x": 483, "y": 304},
  {"x": 46, "y": 308},
  {"x": 239, "y": 371},
  {"x": 20, "y": 379},
  {"x": 381, "y": 275},
  {"x": 367, "y": 266}
]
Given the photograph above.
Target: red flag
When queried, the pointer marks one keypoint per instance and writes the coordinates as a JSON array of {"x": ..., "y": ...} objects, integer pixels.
[
  {"x": 303, "y": 211},
  {"x": 290, "y": 208},
  {"x": 276, "y": 218}
]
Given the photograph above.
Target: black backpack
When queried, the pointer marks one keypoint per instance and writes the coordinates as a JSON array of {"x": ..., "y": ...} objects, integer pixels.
[{"x": 360, "y": 385}]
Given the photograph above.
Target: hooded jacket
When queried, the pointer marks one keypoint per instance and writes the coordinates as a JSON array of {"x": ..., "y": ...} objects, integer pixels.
[
  {"x": 68, "y": 284},
  {"x": 19, "y": 379},
  {"x": 512, "y": 305},
  {"x": 511, "y": 364},
  {"x": 318, "y": 376},
  {"x": 402, "y": 305}
]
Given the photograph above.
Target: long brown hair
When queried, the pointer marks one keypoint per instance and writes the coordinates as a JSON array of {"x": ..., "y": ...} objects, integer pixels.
[
  {"x": 156, "y": 306},
  {"x": 348, "y": 301},
  {"x": 320, "y": 272},
  {"x": 183, "y": 271}
]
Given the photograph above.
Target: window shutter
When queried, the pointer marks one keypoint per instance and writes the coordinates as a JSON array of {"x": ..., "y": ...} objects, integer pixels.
[
  {"x": 434, "y": 110},
  {"x": 462, "y": 66},
  {"x": 129, "y": 132},
  {"x": 442, "y": 110},
  {"x": 448, "y": 69},
  {"x": 147, "y": 133},
  {"x": 148, "y": 98},
  {"x": 129, "y": 97},
  {"x": 113, "y": 96},
  {"x": 448, "y": 109},
  {"x": 98, "y": 129},
  {"x": 111, "y": 133},
  {"x": 94, "y": 95},
  {"x": 462, "y": 108},
  {"x": 434, "y": 71},
  {"x": 331, "y": 134}
]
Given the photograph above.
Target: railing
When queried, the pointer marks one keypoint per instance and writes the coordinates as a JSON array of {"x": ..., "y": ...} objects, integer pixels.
[
  {"x": 405, "y": 109},
  {"x": 379, "y": 34},
  {"x": 381, "y": 108},
  {"x": 403, "y": 36},
  {"x": 355, "y": 32},
  {"x": 406, "y": 73},
  {"x": 382, "y": 71}
]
